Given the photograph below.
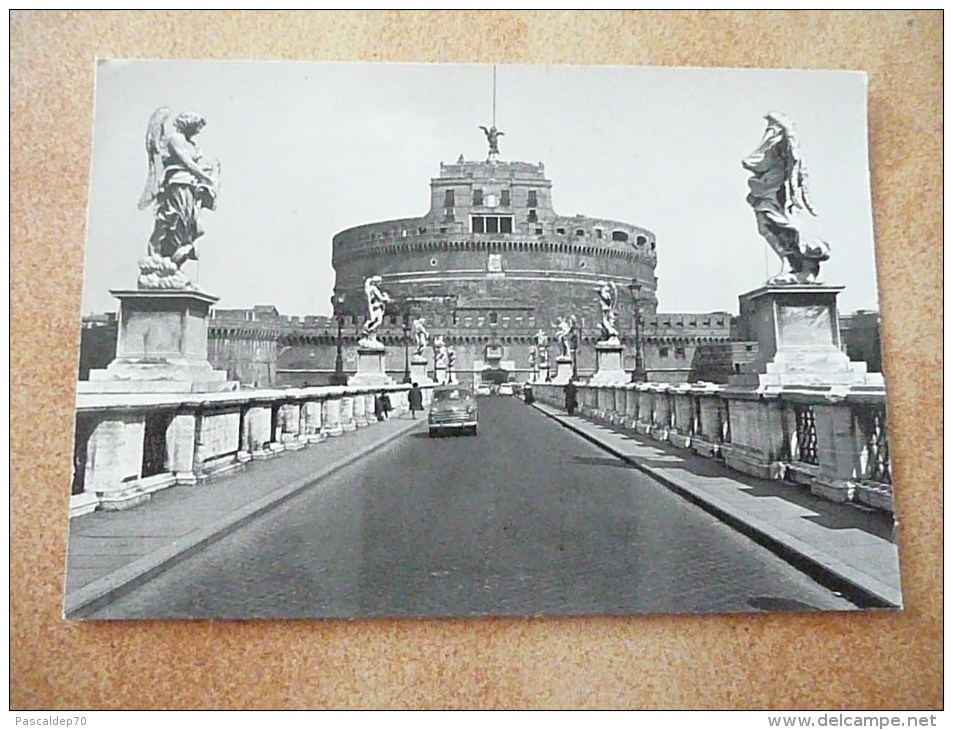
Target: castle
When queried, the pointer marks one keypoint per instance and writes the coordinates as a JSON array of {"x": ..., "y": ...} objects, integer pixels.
[{"x": 489, "y": 267}]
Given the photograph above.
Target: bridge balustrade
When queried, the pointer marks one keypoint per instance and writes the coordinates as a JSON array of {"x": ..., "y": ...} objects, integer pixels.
[
  {"x": 833, "y": 439},
  {"x": 129, "y": 446}
]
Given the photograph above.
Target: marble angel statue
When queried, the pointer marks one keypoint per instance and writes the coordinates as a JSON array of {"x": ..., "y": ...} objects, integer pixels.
[
  {"x": 179, "y": 185},
  {"x": 778, "y": 195}
]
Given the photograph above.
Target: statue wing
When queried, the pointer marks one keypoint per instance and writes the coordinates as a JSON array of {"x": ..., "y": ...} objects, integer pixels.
[
  {"x": 487, "y": 131},
  {"x": 156, "y": 143}
]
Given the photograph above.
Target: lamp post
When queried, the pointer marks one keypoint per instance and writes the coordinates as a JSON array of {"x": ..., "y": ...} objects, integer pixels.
[
  {"x": 406, "y": 346},
  {"x": 638, "y": 374},
  {"x": 574, "y": 344},
  {"x": 337, "y": 302}
]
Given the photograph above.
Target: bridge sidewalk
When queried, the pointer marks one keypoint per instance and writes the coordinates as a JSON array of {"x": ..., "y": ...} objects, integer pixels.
[
  {"x": 112, "y": 552},
  {"x": 846, "y": 545}
]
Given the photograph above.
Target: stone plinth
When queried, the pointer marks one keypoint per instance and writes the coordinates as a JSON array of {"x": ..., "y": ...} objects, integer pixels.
[
  {"x": 441, "y": 373},
  {"x": 798, "y": 334},
  {"x": 370, "y": 366},
  {"x": 162, "y": 346},
  {"x": 563, "y": 370},
  {"x": 609, "y": 364},
  {"x": 418, "y": 371},
  {"x": 542, "y": 372}
]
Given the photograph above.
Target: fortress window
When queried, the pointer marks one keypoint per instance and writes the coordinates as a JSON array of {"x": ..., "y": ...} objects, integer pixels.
[
  {"x": 443, "y": 229},
  {"x": 505, "y": 198},
  {"x": 433, "y": 262},
  {"x": 531, "y": 199},
  {"x": 640, "y": 240},
  {"x": 493, "y": 318},
  {"x": 532, "y": 216},
  {"x": 561, "y": 231},
  {"x": 663, "y": 352},
  {"x": 448, "y": 198},
  {"x": 539, "y": 231},
  {"x": 491, "y": 224},
  {"x": 598, "y": 233},
  {"x": 422, "y": 229},
  {"x": 580, "y": 232},
  {"x": 621, "y": 236},
  {"x": 478, "y": 196},
  {"x": 652, "y": 246},
  {"x": 680, "y": 352}
]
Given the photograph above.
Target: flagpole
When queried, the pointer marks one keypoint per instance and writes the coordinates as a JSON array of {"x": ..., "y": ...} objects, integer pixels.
[{"x": 494, "y": 94}]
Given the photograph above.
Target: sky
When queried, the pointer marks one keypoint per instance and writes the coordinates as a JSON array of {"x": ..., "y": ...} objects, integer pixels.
[{"x": 310, "y": 149}]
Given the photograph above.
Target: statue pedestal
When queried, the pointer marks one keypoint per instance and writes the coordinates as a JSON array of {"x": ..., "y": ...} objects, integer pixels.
[
  {"x": 609, "y": 364},
  {"x": 370, "y": 365},
  {"x": 162, "y": 346},
  {"x": 798, "y": 334},
  {"x": 418, "y": 371},
  {"x": 563, "y": 370},
  {"x": 440, "y": 373},
  {"x": 542, "y": 372}
]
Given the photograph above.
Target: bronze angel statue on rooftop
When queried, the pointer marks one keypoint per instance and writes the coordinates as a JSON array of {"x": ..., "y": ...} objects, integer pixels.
[
  {"x": 778, "y": 194},
  {"x": 493, "y": 141},
  {"x": 179, "y": 185}
]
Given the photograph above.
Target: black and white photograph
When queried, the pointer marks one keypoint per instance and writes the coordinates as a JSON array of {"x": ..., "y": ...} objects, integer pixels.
[{"x": 430, "y": 340}]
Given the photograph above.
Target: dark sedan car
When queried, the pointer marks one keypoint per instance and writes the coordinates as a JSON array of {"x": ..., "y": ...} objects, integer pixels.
[{"x": 454, "y": 408}]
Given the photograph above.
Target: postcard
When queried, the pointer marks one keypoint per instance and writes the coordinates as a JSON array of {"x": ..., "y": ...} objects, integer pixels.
[{"x": 367, "y": 340}]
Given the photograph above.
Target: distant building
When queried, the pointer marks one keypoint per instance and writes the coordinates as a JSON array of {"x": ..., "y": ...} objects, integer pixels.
[
  {"x": 97, "y": 346},
  {"x": 860, "y": 338}
]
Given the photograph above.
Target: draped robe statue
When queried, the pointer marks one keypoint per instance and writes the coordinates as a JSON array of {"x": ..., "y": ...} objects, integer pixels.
[
  {"x": 179, "y": 186},
  {"x": 778, "y": 195}
]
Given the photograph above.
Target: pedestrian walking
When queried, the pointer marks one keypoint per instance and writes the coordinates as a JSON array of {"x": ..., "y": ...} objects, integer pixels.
[
  {"x": 416, "y": 399},
  {"x": 379, "y": 407},
  {"x": 385, "y": 406},
  {"x": 570, "y": 392},
  {"x": 528, "y": 396}
]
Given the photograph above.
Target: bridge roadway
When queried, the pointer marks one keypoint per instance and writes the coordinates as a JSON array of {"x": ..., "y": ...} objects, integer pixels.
[{"x": 525, "y": 519}]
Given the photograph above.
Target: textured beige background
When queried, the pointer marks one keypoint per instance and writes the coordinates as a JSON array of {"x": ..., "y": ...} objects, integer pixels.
[{"x": 875, "y": 660}]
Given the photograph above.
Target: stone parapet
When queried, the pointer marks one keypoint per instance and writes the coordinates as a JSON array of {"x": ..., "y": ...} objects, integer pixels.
[
  {"x": 832, "y": 439},
  {"x": 134, "y": 444}
]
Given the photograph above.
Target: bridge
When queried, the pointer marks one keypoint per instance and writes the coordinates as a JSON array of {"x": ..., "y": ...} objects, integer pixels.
[{"x": 650, "y": 498}]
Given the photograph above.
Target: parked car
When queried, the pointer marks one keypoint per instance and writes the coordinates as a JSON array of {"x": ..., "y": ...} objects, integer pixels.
[
  {"x": 507, "y": 389},
  {"x": 453, "y": 408},
  {"x": 483, "y": 389}
]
